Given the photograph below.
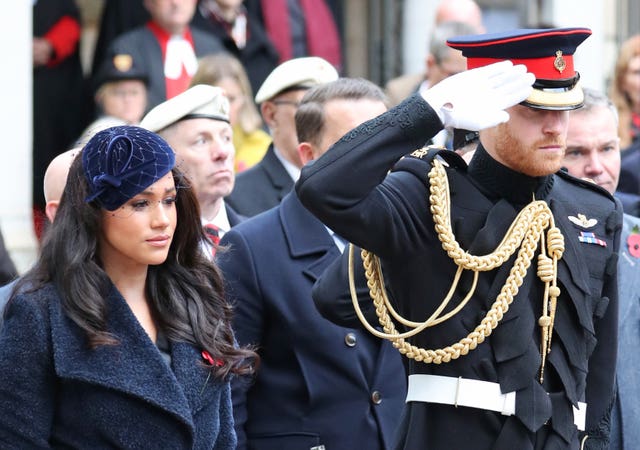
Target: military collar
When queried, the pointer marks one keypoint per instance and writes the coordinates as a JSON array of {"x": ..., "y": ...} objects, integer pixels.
[{"x": 498, "y": 181}]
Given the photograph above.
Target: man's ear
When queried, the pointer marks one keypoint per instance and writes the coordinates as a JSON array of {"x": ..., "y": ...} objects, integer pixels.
[
  {"x": 429, "y": 62},
  {"x": 305, "y": 151},
  {"x": 268, "y": 111}
]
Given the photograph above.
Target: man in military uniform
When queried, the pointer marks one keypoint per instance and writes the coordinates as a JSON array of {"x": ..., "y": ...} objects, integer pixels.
[{"x": 509, "y": 305}]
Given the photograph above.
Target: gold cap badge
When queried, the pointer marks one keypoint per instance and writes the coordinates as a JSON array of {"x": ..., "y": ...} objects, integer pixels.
[
  {"x": 123, "y": 62},
  {"x": 559, "y": 62}
]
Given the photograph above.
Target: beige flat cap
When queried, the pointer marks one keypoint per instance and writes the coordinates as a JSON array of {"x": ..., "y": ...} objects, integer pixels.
[
  {"x": 300, "y": 73},
  {"x": 200, "y": 101}
]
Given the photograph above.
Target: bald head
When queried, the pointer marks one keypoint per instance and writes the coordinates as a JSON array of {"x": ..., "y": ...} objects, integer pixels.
[
  {"x": 55, "y": 179},
  {"x": 465, "y": 11}
]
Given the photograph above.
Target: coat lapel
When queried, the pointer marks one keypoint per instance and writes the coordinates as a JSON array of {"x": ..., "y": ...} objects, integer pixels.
[
  {"x": 134, "y": 366},
  {"x": 280, "y": 178},
  {"x": 306, "y": 236},
  {"x": 233, "y": 216},
  {"x": 193, "y": 374}
]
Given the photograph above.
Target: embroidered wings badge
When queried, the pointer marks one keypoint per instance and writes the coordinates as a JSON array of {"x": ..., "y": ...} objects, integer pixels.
[{"x": 583, "y": 222}]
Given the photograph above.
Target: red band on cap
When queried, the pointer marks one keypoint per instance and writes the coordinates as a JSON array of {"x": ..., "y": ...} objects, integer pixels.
[{"x": 543, "y": 68}]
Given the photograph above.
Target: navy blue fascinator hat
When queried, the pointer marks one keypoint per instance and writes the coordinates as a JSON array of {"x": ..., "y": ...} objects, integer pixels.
[{"x": 120, "y": 162}]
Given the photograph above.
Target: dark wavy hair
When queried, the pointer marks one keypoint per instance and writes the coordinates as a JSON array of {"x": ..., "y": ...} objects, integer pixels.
[{"x": 185, "y": 292}]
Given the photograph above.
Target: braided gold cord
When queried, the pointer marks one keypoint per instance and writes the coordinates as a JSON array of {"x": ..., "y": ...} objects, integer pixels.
[{"x": 525, "y": 233}]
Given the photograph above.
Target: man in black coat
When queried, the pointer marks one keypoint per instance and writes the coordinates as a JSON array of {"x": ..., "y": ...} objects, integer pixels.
[
  {"x": 166, "y": 48},
  {"x": 318, "y": 385},
  {"x": 241, "y": 34},
  {"x": 502, "y": 355},
  {"x": 264, "y": 185},
  {"x": 57, "y": 89}
]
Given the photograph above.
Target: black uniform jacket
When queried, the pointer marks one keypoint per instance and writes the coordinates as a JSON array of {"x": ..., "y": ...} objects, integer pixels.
[{"x": 351, "y": 190}]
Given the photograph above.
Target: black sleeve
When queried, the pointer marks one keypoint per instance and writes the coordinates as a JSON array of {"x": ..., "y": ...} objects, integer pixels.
[{"x": 332, "y": 296}]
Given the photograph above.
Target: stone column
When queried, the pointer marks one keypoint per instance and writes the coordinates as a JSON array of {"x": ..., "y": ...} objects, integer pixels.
[{"x": 15, "y": 132}]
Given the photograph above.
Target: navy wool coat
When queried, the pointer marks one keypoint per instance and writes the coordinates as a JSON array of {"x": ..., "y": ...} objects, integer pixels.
[
  {"x": 318, "y": 383},
  {"x": 57, "y": 393}
]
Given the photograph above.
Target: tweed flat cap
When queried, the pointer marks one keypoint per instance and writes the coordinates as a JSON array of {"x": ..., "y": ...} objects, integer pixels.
[
  {"x": 200, "y": 101},
  {"x": 298, "y": 73}
]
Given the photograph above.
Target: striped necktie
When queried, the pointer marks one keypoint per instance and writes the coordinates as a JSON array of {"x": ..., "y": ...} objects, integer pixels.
[{"x": 213, "y": 232}]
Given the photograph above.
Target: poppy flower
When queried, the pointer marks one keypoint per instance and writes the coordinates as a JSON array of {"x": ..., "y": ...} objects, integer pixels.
[
  {"x": 213, "y": 362},
  {"x": 633, "y": 242}
]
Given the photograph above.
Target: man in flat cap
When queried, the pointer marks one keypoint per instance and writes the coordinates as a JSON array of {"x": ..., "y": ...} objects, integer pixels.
[
  {"x": 502, "y": 273},
  {"x": 196, "y": 126},
  {"x": 265, "y": 185}
]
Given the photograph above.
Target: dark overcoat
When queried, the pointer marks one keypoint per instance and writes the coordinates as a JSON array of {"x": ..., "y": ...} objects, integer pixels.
[
  {"x": 349, "y": 190},
  {"x": 57, "y": 393},
  {"x": 258, "y": 57},
  {"x": 143, "y": 46},
  {"x": 260, "y": 187},
  {"x": 630, "y": 169},
  {"x": 318, "y": 383}
]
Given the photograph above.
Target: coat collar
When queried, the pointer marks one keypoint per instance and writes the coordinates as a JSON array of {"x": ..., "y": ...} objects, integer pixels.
[
  {"x": 134, "y": 366},
  {"x": 276, "y": 172},
  {"x": 306, "y": 235},
  {"x": 233, "y": 216}
]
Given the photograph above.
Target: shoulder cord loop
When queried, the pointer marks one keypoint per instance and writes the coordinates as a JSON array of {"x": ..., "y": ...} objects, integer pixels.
[{"x": 525, "y": 233}]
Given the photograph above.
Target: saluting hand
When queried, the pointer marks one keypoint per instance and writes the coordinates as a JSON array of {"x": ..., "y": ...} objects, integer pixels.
[{"x": 477, "y": 98}]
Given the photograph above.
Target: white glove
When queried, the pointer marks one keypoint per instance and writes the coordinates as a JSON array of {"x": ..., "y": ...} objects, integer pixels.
[{"x": 477, "y": 98}]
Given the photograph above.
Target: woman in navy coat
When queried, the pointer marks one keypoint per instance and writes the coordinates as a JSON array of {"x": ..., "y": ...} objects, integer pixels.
[{"x": 120, "y": 336}]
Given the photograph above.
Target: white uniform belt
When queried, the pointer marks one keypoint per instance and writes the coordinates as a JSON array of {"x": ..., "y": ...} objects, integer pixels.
[{"x": 472, "y": 393}]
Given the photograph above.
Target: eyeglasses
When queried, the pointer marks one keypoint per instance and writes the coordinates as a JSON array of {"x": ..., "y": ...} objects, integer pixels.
[{"x": 286, "y": 102}]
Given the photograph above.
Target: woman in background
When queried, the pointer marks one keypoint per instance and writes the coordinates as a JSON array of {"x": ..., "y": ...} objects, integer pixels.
[
  {"x": 625, "y": 91},
  {"x": 120, "y": 335},
  {"x": 249, "y": 139}
]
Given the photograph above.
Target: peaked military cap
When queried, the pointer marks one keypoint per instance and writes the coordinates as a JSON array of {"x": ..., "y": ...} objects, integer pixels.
[
  {"x": 547, "y": 53},
  {"x": 119, "y": 68}
]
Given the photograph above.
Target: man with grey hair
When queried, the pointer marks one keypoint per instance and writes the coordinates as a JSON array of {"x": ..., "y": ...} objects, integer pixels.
[
  {"x": 196, "y": 125},
  {"x": 593, "y": 153},
  {"x": 319, "y": 385}
]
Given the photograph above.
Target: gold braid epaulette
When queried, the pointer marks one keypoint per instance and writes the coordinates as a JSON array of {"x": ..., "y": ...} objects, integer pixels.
[{"x": 525, "y": 233}]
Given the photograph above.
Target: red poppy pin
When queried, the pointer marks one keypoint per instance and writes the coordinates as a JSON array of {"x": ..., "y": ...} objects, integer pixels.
[
  {"x": 633, "y": 242},
  {"x": 213, "y": 362}
]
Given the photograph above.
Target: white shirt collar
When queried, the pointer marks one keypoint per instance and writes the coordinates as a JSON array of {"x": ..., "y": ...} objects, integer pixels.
[
  {"x": 292, "y": 170},
  {"x": 221, "y": 220}
]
